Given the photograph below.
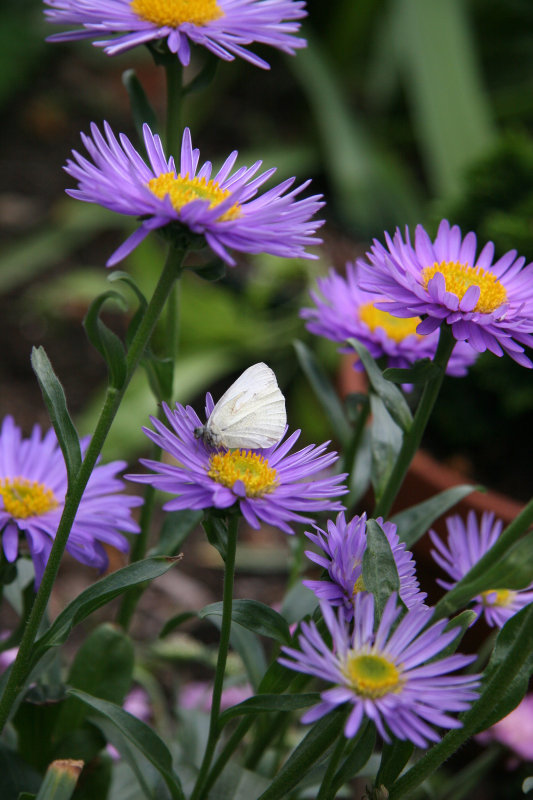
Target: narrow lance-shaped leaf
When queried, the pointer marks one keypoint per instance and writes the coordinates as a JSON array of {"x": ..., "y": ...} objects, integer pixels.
[
  {"x": 324, "y": 391},
  {"x": 392, "y": 397},
  {"x": 421, "y": 372},
  {"x": 104, "y": 340},
  {"x": 269, "y": 703},
  {"x": 380, "y": 575},
  {"x": 98, "y": 595},
  {"x": 385, "y": 444},
  {"x": 139, "y": 734},
  {"x": 312, "y": 748},
  {"x": 56, "y": 403},
  {"x": 141, "y": 109},
  {"x": 254, "y": 616},
  {"x": 414, "y": 522}
]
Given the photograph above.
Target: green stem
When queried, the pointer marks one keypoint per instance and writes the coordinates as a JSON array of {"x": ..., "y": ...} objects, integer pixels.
[
  {"x": 19, "y": 670},
  {"x": 413, "y": 437},
  {"x": 229, "y": 748},
  {"x": 225, "y": 630},
  {"x": 174, "y": 74},
  {"x": 455, "y": 598},
  {"x": 494, "y": 690},
  {"x": 327, "y": 789}
]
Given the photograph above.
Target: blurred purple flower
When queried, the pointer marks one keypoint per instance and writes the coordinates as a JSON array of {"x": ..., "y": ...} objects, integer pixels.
[
  {"x": 198, "y": 695},
  {"x": 466, "y": 544},
  {"x": 515, "y": 730}
]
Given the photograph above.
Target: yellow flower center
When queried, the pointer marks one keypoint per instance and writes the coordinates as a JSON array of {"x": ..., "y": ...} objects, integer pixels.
[
  {"x": 23, "y": 498},
  {"x": 498, "y": 597},
  {"x": 372, "y": 676},
  {"x": 242, "y": 465},
  {"x": 184, "y": 190},
  {"x": 460, "y": 277},
  {"x": 172, "y": 13},
  {"x": 359, "y": 586},
  {"x": 396, "y": 328}
]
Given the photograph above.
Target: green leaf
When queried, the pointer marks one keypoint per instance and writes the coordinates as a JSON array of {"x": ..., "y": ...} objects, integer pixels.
[
  {"x": 516, "y": 633},
  {"x": 175, "y": 529},
  {"x": 254, "y": 616},
  {"x": 54, "y": 398},
  {"x": 118, "y": 275},
  {"x": 16, "y": 775},
  {"x": 217, "y": 533},
  {"x": 380, "y": 575},
  {"x": 104, "y": 340},
  {"x": 174, "y": 622},
  {"x": 103, "y": 667},
  {"x": 422, "y": 371},
  {"x": 394, "y": 757},
  {"x": 441, "y": 89},
  {"x": 362, "y": 749},
  {"x": 160, "y": 372},
  {"x": 96, "y": 779},
  {"x": 60, "y": 780},
  {"x": 392, "y": 397},
  {"x": 140, "y": 735},
  {"x": 270, "y": 702},
  {"x": 413, "y": 522},
  {"x": 385, "y": 444},
  {"x": 98, "y": 595},
  {"x": 299, "y": 602},
  {"x": 313, "y": 747},
  {"x": 324, "y": 391},
  {"x": 205, "y": 77},
  {"x": 513, "y": 571},
  {"x": 141, "y": 109}
]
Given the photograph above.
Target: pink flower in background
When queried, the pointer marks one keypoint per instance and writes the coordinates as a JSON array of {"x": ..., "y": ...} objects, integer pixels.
[{"x": 515, "y": 730}]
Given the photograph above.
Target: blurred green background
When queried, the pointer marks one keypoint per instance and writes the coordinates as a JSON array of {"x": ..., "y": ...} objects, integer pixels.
[{"x": 402, "y": 111}]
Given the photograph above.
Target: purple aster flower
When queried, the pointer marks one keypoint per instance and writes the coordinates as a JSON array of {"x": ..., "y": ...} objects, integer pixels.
[
  {"x": 268, "y": 484},
  {"x": 489, "y": 305},
  {"x": 33, "y": 485},
  {"x": 465, "y": 546},
  {"x": 393, "y": 676},
  {"x": 223, "y": 208},
  {"x": 221, "y": 26},
  {"x": 343, "y": 310},
  {"x": 343, "y": 547}
]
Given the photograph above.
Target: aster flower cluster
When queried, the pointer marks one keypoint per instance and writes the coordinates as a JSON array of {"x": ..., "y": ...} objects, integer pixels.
[
  {"x": 224, "y": 27},
  {"x": 343, "y": 310},
  {"x": 33, "y": 485},
  {"x": 487, "y": 303}
]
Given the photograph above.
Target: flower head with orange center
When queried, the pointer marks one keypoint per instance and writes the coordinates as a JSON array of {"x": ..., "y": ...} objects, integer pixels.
[
  {"x": 486, "y": 303},
  {"x": 341, "y": 548},
  {"x": 33, "y": 485},
  {"x": 270, "y": 485},
  {"x": 467, "y": 542},
  {"x": 225, "y": 27},
  {"x": 343, "y": 311},
  {"x": 225, "y": 208},
  {"x": 387, "y": 671}
]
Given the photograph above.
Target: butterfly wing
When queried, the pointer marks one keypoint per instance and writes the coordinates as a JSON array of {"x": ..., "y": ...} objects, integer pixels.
[{"x": 251, "y": 413}]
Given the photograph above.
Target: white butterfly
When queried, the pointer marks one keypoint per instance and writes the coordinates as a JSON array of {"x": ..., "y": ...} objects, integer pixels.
[{"x": 250, "y": 414}]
